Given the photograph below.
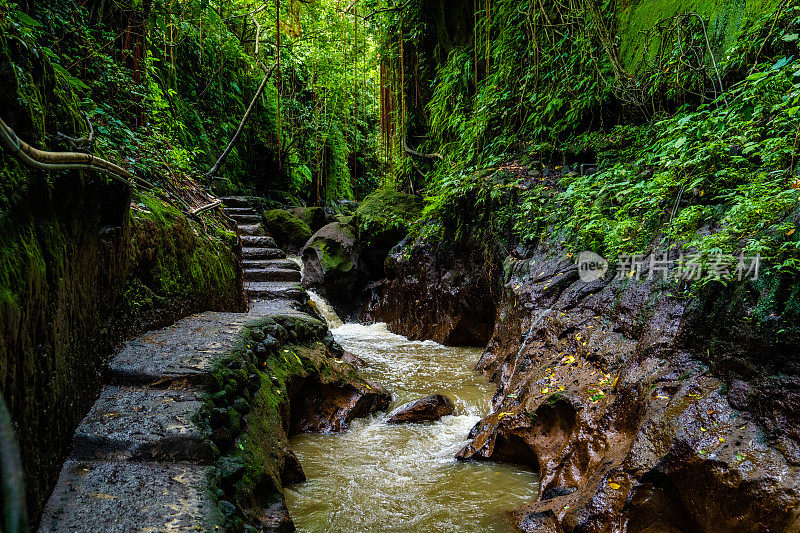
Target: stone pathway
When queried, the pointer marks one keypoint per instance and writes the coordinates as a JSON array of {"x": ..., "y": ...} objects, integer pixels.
[{"x": 139, "y": 463}]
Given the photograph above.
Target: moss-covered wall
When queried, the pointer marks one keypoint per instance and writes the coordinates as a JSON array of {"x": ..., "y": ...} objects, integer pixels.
[
  {"x": 80, "y": 271},
  {"x": 638, "y": 22}
]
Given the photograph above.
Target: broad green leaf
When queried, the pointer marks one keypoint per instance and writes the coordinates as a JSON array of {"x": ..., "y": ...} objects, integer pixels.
[{"x": 27, "y": 20}]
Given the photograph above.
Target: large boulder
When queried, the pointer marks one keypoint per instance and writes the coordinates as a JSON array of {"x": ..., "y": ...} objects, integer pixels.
[
  {"x": 315, "y": 217},
  {"x": 432, "y": 407},
  {"x": 325, "y": 407},
  {"x": 382, "y": 220},
  {"x": 332, "y": 267},
  {"x": 289, "y": 231}
]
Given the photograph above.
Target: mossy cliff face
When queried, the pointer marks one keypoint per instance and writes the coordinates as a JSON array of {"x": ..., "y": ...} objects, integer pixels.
[
  {"x": 80, "y": 272},
  {"x": 640, "y": 36}
]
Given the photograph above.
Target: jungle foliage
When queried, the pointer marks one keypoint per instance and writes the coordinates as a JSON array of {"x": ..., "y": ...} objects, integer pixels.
[
  {"x": 166, "y": 82},
  {"x": 685, "y": 118}
]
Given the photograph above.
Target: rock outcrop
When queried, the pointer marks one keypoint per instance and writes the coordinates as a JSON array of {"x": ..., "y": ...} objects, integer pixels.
[
  {"x": 289, "y": 231},
  {"x": 642, "y": 409},
  {"x": 332, "y": 266},
  {"x": 603, "y": 390},
  {"x": 381, "y": 221},
  {"x": 427, "y": 408},
  {"x": 449, "y": 298}
]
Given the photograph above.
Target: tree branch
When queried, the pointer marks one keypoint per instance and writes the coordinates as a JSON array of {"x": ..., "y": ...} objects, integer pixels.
[
  {"x": 435, "y": 155},
  {"x": 236, "y": 135},
  {"x": 387, "y": 9},
  {"x": 43, "y": 160}
]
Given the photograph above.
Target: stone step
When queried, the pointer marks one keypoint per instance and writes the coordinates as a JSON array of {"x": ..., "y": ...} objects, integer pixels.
[
  {"x": 128, "y": 423},
  {"x": 240, "y": 211},
  {"x": 185, "y": 350},
  {"x": 271, "y": 274},
  {"x": 265, "y": 290},
  {"x": 262, "y": 253},
  {"x": 258, "y": 241},
  {"x": 250, "y": 229},
  {"x": 237, "y": 201},
  {"x": 118, "y": 497},
  {"x": 245, "y": 218},
  {"x": 287, "y": 264}
]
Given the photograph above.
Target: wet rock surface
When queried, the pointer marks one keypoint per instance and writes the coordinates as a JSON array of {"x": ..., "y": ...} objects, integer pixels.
[
  {"x": 431, "y": 407},
  {"x": 131, "y": 423},
  {"x": 112, "y": 496},
  {"x": 332, "y": 265},
  {"x": 641, "y": 410},
  {"x": 321, "y": 407},
  {"x": 448, "y": 298},
  {"x": 603, "y": 391}
]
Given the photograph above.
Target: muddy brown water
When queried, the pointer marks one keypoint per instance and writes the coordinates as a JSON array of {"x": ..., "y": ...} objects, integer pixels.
[{"x": 376, "y": 477}]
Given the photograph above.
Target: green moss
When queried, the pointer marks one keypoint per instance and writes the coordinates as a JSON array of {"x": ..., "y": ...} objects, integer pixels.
[
  {"x": 385, "y": 209},
  {"x": 174, "y": 258},
  {"x": 286, "y": 228},
  {"x": 314, "y": 217},
  {"x": 334, "y": 256},
  {"x": 262, "y": 444},
  {"x": 637, "y": 24}
]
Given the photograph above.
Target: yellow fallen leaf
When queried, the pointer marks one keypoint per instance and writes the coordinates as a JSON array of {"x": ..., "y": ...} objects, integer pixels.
[
  {"x": 790, "y": 232},
  {"x": 703, "y": 429},
  {"x": 545, "y": 390},
  {"x": 615, "y": 486},
  {"x": 104, "y": 496},
  {"x": 722, "y": 439},
  {"x": 504, "y": 413}
]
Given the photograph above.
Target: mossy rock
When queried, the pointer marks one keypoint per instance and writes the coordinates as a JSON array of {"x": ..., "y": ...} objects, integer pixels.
[
  {"x": 388, "y": 207},
  {"x": 288, "y": 230},
  {"x": 382, "y": 220},
  {"x": 332, "y": 265},
  {"x": 315, "y": 217}
]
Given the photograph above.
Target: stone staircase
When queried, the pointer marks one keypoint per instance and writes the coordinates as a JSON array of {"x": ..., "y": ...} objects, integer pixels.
[
  {"x": 139, "y": 463},
  {"x": 268, "y": 274}
]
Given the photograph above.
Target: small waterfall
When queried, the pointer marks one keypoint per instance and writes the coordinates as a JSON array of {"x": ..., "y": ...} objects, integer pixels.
[
  {"x": 325, "y": 310},
  {"x": 298, "y": 260}
]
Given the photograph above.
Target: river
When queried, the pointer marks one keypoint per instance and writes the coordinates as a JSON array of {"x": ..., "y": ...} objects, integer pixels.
[{"x": 377, "y": 477}]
